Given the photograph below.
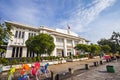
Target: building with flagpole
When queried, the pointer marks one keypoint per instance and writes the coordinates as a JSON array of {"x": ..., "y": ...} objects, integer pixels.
[{"x": 64, "y": 40}]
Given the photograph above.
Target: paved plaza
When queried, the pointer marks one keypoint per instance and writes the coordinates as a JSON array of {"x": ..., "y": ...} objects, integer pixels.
[
  {"x": 94, "y": 73},
  {"x": 75, "y": 65},
  {"x": 59, "y": 68},
  {"x": 100, "y": 73}
]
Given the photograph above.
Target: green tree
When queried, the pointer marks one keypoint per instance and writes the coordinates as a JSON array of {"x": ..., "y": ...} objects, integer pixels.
[
  {"x": 116, "y": 36},
  {"x": 111, "y": 44},
  {"x": 82, "y": 47},
  {"x": 94, "y": 49},
  {"x": 41, "y": 44},
  {"x": 116, "y": 39},
  {"x": 105, "y": 48},
  {"x": 103, "y": 41},
  {"x": 119, "y": 49},
  {"x": 5, "y": 34}
]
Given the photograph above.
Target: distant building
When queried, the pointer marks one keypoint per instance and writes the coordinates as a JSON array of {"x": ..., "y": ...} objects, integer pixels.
[{"x": 64, "y": 41}]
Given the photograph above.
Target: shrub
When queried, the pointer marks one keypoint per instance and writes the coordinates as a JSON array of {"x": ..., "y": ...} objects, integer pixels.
[
  {"x": 23, "y": 59},
  {"x": 52, "y": 57},
  {"x": 55, "y": 58},
  {"x": 0, "y": 61},
  {"x": 4, "y": 61},
  {"x": 30, "y": 60},
  {"x": 48, "y": 58},
  {"x": 70, "y": 57},
  {"x": 34, "y": 59},
  {"x": 38, "y": 59},
  {"x": 15, "y": 61},
  {"x": 82, "y": 55},
  {"x": 76, "y": 57},
  {"x": 44, "y": 58}
]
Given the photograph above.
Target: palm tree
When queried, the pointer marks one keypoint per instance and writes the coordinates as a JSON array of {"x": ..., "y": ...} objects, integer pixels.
[
  {"x": 116, "y": 36},
  {"x": 116, "y": 39}
]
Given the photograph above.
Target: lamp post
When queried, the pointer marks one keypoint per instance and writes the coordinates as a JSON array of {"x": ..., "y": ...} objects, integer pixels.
[
  {"x": 114, "y": 41},
  {"x": 45, "y": 51}
]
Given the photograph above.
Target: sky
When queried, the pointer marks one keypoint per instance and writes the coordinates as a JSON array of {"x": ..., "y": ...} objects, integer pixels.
[{"x": 91, "y": 19}]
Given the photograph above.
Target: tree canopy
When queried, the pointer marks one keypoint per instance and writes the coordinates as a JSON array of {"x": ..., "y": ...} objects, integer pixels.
[
  {"x": 116, "y": 36},
  {"x": 5, "y": 34},
  {"x": 93, "y": 49},
  {"x": 82, "y": 47},
  {"x": 113, "y": 42},
  {"x": 41, "y": 44},
  {"x": 106, "y": 48}
]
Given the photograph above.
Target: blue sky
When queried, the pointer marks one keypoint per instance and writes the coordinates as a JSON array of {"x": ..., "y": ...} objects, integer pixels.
[{"x": 92, "y": 19}]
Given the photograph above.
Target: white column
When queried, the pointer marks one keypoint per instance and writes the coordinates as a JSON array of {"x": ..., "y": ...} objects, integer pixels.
[
  {"x": 65, "y": 47},
  {"x": 8, "y": 52},
  {"x": 24, "y": 52},
  {"x": 73, "y": 45},
  {"x": 10, "y": 41},
  {"x": 25, "y": 36},
  {"x": 54, "y": 53}
]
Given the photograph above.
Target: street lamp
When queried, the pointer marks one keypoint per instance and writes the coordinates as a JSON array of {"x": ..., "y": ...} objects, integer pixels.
[
  {"x": 114, "y": 45},
  {"x": 45, "y": 51}
]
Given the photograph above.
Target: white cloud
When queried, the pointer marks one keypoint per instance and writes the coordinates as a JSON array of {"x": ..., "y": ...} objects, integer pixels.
[
  {"x": 28, "y": 12},
  {"x": 103, "y": 26},
  {"x": 81, "y": 17}
]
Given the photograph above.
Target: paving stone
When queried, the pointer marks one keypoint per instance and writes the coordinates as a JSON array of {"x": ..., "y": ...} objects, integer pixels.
[{"x": 100, "y": 73}]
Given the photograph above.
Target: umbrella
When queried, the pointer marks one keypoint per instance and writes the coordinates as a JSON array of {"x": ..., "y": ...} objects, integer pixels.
[
  {"x": 25, "y": 67},
  {"x": 37, "y": 65}
]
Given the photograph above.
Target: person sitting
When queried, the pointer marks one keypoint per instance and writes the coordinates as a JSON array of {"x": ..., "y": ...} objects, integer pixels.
[{"x": 115, "y": 58}]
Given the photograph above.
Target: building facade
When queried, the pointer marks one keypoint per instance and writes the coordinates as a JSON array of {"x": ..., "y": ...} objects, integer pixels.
[{"x": 64, "y": 41}]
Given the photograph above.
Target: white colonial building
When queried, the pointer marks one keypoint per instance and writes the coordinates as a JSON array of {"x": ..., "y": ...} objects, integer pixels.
[{"x": 64, "y": 40}]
